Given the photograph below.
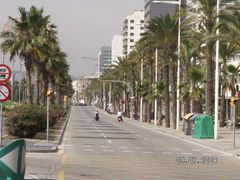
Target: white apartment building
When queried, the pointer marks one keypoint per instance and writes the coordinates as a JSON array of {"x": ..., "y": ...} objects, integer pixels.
[
  {"x": 133, "y": 27},
  {"x": 117, "y": 48}
]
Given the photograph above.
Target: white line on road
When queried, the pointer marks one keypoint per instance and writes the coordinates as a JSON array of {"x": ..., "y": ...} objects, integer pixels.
[
  {"x": 127, "y": 151},
  {"x": 181, "y": 139},
  {"x": 88, "y": 150},
  {"x": 31, "y": 176},
  {"x": 86, "y": 146},
  {"x": 108, "y": 150},
  {"x": 109, "y": 141},
  {"x": 206, "y": 154},
  {"x": 177, "y": 149},
  {"x": 186, "y": 153},
  {"x": 104, "y": 146},
  {"x": 147, "y": 152},
  {"x": 166, "y": 152}
]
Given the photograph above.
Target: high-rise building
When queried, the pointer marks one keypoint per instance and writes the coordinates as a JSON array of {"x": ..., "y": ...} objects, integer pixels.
[
  {"x": 160, "y": 9},
  {"x": 117, "y": 48},
  {"x": 105, "y": 58},
  {"x": 133, "y": 27}
]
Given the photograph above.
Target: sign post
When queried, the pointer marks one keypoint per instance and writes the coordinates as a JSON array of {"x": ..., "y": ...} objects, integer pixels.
[{"x": 5, "y": 91}]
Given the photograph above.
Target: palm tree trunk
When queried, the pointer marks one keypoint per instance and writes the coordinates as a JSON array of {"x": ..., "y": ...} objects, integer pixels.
[
  {"x": 174, "y": 95},
  {"x": 29, "y": 82},
  {"x": 160, "y": 115},
  {"x": 145, "y": 104},
  {"x": 223, "y": 101},
  {"x": 166, "y": 96},
  {"x": 38, "y": 72},
  {"x": 209, "y": 86}
]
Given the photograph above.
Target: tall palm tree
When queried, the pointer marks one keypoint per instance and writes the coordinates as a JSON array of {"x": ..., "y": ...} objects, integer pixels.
[
  {"x": 26, "y": 40},
  {"x": 163, "y": 33}
]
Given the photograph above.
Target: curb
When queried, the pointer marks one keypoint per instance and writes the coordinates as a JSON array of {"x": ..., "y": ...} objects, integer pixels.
[
  {"x": 65, "y": 126},
  {"x": 54, "y": 149},
  {"x": 181, "y": 138}
]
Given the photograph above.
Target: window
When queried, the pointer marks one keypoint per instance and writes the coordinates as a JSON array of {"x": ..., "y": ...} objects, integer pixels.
[
  {"x": 142, "y": 28},
  {"x": 131, "y": 40},
  {"x": 131, "y": 34},
  {"x": 142, "y": 21},
  {"x": 131, "y": 21},
  {"x": 131, "y": 27},
  {"x": 141, "y": 34},
  {"x": 131, "y": 47}
]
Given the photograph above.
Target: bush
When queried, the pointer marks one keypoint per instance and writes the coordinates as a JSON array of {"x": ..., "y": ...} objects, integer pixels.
[{"x": 26, "y": 120}]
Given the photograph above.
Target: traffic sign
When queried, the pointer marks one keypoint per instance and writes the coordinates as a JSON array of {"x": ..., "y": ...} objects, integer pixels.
[
  {"x": 5, "y": 73},
  {"x": 5, "y": 92},
  {"x": 12, "y": 160}
]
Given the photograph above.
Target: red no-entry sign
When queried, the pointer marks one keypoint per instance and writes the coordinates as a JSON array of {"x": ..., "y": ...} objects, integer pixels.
[
  {"x": 5, "y": 73},
  {"x": 5, "y": 92}
]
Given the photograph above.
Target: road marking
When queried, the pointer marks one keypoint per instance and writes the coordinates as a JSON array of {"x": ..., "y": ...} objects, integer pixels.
[
  {"x": 147, "y": 152},
  {"x": 61, "y": 175},
  {"x": 126, "y": 151},
  {"x": 139, "y": 135},
  {"x": 63, "y": 159},
  {"x": 180, "y": 138},
  {"x": 86, "y": 146},
  {"x": 109, "y": 141},
  {"x": 123, "y": 147},
  {"x": 226, "y": 155},
  {"x": 88, "y": 150},
  {"x": 104, "y": 146},
  {"x": 206, "y": 154},
  {"x": 186, "y": 153},
  {"x": 108, "y": 150},
  {"x": 166, "y": 152},
  {"x": 32, "y": 176},
  {"x": 177, "y": 149}
]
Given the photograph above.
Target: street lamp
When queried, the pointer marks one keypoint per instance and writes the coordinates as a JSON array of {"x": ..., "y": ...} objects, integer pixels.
[
  {"x": 216, "y": 80},
  {"x": 178, "y": 63}
]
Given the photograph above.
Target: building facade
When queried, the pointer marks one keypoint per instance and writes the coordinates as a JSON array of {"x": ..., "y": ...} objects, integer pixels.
[
  {"x": 105, "y": 58},
  {"x": 133, "y": 28},
  {"x": 156, "y": 9},
  {"x": 117, "y": 48}
]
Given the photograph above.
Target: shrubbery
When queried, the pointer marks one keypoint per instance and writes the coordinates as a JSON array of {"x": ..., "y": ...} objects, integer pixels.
[{"x": 26, "y": 120}]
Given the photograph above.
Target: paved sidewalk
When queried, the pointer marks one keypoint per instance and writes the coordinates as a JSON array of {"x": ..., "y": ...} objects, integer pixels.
[
  {"x": 41, "y": 144},
  {"x": 223, "y": 144}
]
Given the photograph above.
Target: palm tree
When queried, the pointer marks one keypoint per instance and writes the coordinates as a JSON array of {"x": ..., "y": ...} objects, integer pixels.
[
  {"x": 25, "y": 39},
  {"x": 163, "y": 33}
]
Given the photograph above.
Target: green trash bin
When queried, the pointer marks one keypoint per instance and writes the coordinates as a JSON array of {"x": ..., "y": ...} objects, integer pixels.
[
  {"x": 12, "y": 161},
  {"x": 203, "y": 127}
]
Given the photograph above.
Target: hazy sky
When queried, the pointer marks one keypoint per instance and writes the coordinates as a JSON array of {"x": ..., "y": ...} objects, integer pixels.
[{"x": 83, "y": 25}]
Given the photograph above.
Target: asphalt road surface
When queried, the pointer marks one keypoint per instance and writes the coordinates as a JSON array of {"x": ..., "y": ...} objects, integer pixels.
[{"x": 111, "y": 150}]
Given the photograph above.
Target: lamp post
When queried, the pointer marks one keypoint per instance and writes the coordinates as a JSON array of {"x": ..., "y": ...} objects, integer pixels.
[
  {"x": 141, "y": 99},
  {"x": 156, "y": 69},
  {"x": 216, "y": 80},
  {"x": 178, "y": 63}
]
